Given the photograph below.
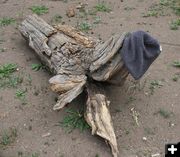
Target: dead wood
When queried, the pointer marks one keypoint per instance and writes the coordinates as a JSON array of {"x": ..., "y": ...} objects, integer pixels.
[
  {"x": 75, "y": 59},
  {"x": 98, "y": 116}
]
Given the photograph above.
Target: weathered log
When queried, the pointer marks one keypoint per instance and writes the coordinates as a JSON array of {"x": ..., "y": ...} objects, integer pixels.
[{"x": 77, "y": 60}]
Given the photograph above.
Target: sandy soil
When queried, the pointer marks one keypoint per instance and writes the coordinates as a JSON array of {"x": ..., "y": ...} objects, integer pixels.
[{"x": 37, "y": 118}]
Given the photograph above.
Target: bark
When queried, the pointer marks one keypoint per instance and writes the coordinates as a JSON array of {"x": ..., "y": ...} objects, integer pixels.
[{"x": 77, "y": 61}]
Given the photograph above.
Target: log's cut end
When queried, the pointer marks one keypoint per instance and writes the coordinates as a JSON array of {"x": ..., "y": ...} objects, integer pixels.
[
  {"x": 98, "y": 117},
  {"x": 36, "y": 31},
  {"x": 33, "y": 22}
]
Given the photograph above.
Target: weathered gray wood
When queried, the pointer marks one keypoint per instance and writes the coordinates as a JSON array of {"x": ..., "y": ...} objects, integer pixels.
[
  {"x": 76, "y": 60},
  {"x": 98, "y": 116},
  {"x": 68, "y": 86},
  {"x": 106, "y": 51}
]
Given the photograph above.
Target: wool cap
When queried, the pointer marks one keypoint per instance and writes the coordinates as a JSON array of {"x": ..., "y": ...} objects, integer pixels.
[{"x": 138, "y": 52}]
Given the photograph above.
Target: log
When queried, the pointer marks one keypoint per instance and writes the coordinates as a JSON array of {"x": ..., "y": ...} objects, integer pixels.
[{"x": 79, "y": 63}]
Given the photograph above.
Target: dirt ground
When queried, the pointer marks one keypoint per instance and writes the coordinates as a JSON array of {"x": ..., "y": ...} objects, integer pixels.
[{"x": 157, "y": 105}]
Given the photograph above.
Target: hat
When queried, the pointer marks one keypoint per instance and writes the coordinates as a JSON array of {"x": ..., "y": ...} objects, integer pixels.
[{"x": 138, "y": 52}]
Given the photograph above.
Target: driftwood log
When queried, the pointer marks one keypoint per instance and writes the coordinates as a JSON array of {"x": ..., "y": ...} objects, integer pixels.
[{"x": 79, "y": 63}]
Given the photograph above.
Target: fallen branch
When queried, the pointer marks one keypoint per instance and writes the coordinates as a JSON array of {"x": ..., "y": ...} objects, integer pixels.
[{"x": 80, "y": 63}]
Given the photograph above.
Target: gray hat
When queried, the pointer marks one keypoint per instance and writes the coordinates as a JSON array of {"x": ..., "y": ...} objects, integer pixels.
[{"x": 138, "y": 51}]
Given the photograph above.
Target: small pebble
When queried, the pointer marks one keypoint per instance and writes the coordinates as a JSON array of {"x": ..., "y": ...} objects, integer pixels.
[
  {"x": 144, "y": 139},
  {"x": 70, "y": 12},
  {"x": 47, "y": 134},
  {"x": 155, "y": 155}
]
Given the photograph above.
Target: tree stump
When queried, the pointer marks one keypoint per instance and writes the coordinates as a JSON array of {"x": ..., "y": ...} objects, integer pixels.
[{"x": 79, "y": 63}]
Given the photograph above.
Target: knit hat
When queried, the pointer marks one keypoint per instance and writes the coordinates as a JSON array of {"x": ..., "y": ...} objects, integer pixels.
[{"x": 138, "y": 52}]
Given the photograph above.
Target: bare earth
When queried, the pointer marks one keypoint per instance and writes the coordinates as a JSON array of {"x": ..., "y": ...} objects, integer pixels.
[{"x": 36, "y": 118}]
